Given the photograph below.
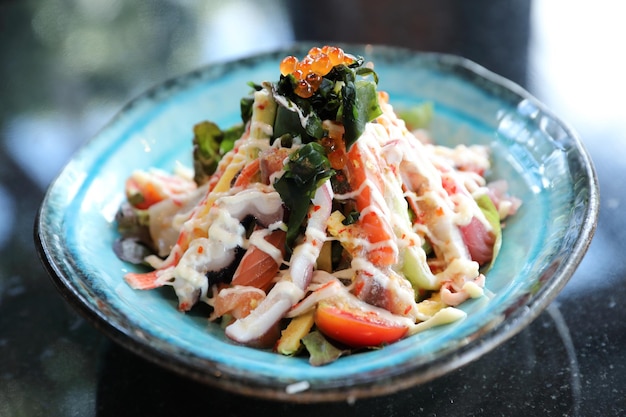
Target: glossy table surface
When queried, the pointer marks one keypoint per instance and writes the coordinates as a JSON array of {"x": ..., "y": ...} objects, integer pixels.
[{"x": 66, "y": 67}]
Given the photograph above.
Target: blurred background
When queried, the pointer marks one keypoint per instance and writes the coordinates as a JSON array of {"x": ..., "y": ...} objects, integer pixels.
[{"x": 67, "y": 67}]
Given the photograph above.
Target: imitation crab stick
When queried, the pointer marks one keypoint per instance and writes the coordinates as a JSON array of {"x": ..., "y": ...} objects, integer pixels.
[{"x": 365, "y": 180}]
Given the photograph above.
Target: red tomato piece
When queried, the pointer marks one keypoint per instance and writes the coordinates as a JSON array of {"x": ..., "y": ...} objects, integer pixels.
[{"x": 356, "y": 328}]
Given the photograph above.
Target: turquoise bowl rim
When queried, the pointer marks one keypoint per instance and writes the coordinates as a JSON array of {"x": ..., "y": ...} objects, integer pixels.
[{"x": 73, "y": 278}]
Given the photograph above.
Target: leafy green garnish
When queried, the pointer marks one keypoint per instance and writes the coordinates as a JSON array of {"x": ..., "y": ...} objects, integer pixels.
[
  {"x": 307, "y": 168},
  {"x": 321, "y": 351},
  {"x": 246, "y": 103},
  {"x": 351, "y": 218},
  {"x": 360, "y": 105},
  {"x": 289, "y": 122},
  {"x": 230, "y": 136},
  {"x": 210, "y": 143},
  {"x": 417, "y": 117}
]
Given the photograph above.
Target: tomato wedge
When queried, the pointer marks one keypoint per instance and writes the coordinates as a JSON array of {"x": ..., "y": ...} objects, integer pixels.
[{"x": 356, "y": 328}]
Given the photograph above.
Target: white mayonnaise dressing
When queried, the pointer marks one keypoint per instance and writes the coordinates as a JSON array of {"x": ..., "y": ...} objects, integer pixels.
[
  {"x": 444, "y": 316},
  {"x": 273, "y": 308},
  {"x": 224, "y": 233},
  {"x": 306, "y": 253},
  {"x": 258, "y": 239}
]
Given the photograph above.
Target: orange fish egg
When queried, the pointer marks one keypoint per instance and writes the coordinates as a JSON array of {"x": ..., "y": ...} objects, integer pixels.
[
  {"x": 316, "y": 64},
  {"x": 288, "y": 65},
  {"x": 322, "y": 65}
]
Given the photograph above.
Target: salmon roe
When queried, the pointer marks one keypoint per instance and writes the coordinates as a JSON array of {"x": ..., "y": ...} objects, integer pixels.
[
  {"x": 316, "y": 64},
  {"x": 334, "y": 144}
]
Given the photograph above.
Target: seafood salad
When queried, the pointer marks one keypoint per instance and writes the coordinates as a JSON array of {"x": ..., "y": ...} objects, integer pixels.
[{"x": 324, "y": 223}]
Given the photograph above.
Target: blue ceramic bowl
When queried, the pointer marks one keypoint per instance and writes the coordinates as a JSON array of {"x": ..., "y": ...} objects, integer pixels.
[{"x": 542, "y": 159}]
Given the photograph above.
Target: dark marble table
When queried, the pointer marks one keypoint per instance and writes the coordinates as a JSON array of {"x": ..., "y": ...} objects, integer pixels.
[{"x": 66, "y": 67}]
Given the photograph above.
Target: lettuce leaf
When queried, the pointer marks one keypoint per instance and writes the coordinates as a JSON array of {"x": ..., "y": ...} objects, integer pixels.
[
  {"x": 210, "y": 143},
  {"x": 321, "y": 351}
]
